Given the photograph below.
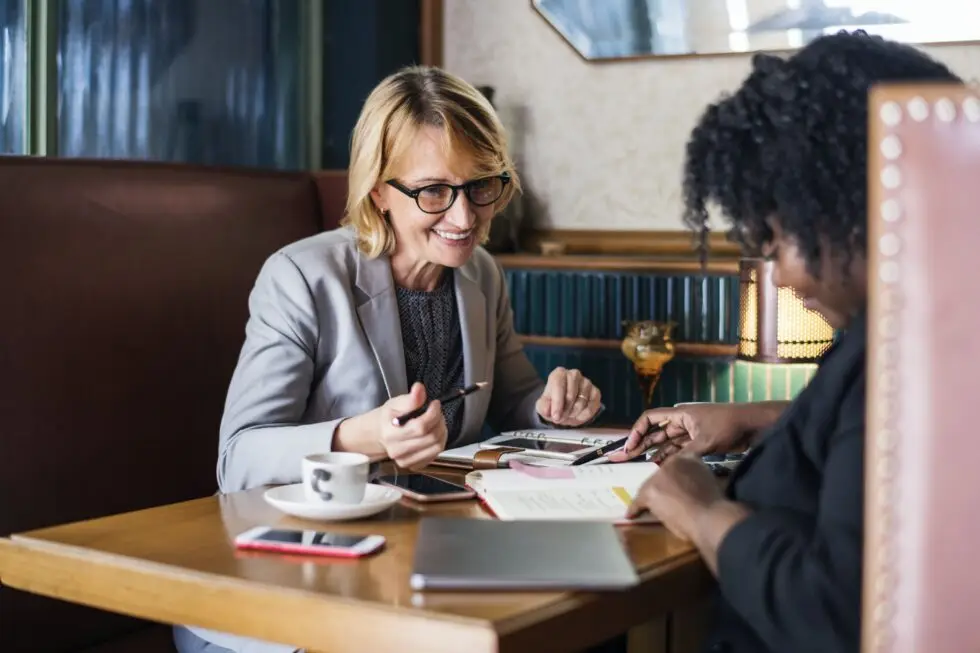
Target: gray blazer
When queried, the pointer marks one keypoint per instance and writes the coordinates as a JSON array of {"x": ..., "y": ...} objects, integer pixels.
[{"x": 323, "y": 342}]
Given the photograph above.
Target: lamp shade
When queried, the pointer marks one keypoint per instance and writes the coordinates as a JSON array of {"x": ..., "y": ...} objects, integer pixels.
[{"x": 774, "y": 324}]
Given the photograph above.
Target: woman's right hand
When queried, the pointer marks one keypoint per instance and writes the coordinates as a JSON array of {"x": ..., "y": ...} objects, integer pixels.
[
  {"x": 700, "y": 428},
  {"x": 420, "y": 440},
  {"x": 374, "y": 433}
]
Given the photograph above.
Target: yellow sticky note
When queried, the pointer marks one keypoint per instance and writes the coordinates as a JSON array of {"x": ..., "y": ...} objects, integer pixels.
[{"x": 623, "y": 495}]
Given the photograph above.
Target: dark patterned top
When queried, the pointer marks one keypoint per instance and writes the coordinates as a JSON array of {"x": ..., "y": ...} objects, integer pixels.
[{"x": 434, "y": 345}]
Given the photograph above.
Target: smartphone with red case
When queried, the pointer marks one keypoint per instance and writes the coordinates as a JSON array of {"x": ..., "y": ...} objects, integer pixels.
[{"x": 309, "y": 542}]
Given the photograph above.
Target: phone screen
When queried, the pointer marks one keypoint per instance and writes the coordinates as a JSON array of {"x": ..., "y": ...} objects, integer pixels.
[
  {"x": 311, "y": 538},
  {"x": 422, "y": 484},
  {"x": 541, "y": 445}
]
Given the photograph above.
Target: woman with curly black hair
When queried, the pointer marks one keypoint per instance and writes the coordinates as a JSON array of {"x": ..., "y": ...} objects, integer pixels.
[{"x": 785, "y": 160}]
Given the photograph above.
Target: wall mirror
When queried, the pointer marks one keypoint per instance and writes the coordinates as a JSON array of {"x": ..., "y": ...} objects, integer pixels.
[{"x": 621, "y": 29}]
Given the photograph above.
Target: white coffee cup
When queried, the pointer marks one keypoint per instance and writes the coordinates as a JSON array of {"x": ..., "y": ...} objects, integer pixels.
[{"x": 338, "y": 477}]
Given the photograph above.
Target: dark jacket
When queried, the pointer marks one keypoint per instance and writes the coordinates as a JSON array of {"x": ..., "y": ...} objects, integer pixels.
[{"x": 790, "y": 574}]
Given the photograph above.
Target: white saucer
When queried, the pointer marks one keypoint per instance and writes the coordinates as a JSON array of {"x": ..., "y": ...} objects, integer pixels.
[{"x": 291, "y": 500}]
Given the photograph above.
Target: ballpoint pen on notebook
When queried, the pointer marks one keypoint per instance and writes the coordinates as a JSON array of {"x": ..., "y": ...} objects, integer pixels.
[
  {"x": 600, "y": 454},
  {"x": 452, "y": 395}
]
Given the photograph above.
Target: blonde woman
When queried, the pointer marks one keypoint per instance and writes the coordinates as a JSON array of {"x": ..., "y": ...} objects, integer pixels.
[{"x": 351, "y": 327}]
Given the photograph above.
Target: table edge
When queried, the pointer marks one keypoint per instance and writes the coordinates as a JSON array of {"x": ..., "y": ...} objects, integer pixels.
[
  {"x": 54, "y": 572},
  {"x": 612, "y": 611}
]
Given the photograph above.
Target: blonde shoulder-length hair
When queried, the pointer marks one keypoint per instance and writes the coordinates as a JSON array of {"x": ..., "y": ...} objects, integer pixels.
[{"x": 402, "y": 104}]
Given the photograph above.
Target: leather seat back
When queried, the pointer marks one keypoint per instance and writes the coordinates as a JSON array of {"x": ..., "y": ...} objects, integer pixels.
[{"x": 124, "y": 289}]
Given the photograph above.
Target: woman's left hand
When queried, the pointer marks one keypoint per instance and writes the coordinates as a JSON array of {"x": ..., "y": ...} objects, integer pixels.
[
  {"x": 569, "y": 399},
  {"x": 680, "y": 492}
]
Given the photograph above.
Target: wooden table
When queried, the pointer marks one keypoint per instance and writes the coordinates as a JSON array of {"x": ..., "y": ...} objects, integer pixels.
[{"x": 177, "y": 564}]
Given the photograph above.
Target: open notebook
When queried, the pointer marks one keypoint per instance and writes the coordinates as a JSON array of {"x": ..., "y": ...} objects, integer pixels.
[{"x": 595, "y": 493}]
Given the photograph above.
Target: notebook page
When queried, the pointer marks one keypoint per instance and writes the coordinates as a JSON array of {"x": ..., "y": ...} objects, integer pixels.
[
  {"x": 628, "y": 475},
  {"x": 562, "y": 503}
]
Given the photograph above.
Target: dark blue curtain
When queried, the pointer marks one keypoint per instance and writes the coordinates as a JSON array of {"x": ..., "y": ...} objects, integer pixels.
[
  {"x": 364, "y": 41},
  {"x": 13, "y": 76},
  {"x": 199, "y": 81}
]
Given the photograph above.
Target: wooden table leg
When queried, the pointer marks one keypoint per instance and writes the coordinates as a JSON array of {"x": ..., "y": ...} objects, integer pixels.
[
  {"x": 688, "y": 627},
  {"x": 650, "y": 637}
]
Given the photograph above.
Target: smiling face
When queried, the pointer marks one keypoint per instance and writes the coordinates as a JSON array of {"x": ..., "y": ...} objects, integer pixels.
[
  {"x": 425, "y": 239},
  {"x": 836, "y": 296}
]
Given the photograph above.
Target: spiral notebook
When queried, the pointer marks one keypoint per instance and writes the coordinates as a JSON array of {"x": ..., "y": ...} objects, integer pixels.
[
  {"x": 584, "y": 436},
  {"x": 545, "y": 447}
]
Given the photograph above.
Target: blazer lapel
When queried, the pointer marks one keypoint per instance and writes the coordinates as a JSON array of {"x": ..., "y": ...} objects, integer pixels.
[
  {"x": 472, "y": 307},
  {"x": 379, "y": 318}
]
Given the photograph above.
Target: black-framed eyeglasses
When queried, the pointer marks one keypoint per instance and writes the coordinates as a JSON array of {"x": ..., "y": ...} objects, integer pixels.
[{"x": 437, "y": 198}]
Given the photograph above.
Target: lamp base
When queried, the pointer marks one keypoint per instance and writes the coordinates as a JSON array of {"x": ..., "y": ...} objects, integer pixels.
[{"x": 648, "y": 380}]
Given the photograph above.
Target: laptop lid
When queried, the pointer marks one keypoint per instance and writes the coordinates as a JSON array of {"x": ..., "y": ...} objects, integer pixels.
[{"x": 471, "y": 554}]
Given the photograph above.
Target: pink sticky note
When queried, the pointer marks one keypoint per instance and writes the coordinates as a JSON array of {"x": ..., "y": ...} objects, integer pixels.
[{"x": 541, "y": 472}]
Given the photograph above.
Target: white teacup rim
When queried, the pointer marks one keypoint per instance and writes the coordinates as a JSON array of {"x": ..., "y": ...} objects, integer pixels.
[{"x": 338, "y": 458}]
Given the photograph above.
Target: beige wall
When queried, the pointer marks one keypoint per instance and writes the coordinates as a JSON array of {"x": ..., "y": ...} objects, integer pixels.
[{"x": 600, "y": 145}]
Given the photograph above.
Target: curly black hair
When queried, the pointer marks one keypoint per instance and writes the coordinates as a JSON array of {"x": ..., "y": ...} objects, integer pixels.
[{"x": 791, "y": 144}]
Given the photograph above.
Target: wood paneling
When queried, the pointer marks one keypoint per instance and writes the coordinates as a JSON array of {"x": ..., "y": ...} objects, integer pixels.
[
  {"x": 681, "y": 348},
  {"x": 431, "y": 32},
  {"x": 617, "y": 263},
  {"x": 674, "y": 243}
]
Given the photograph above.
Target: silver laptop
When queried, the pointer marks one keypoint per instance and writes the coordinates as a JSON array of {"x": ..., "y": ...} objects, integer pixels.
[{"x": 485, "y": 554}]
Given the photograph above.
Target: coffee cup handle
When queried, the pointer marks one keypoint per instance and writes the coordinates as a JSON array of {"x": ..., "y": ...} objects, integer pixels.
[{"x": 317, "y": 477}]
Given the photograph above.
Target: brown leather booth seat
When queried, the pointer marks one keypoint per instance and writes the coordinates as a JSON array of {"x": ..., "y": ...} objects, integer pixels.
[{"x": 123, "y": 301}]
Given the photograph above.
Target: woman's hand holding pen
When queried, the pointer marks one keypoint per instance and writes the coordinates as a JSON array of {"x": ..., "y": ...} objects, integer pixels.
[
  {"x": 569, "y": 398},
  {"x": 699, "y": 428},
  {"x": 419, "y": 440},
  {"x": 411, "y": 446}
]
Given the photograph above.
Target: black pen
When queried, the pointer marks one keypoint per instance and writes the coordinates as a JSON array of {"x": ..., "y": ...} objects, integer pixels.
[
  {"x": 599, "y": 452},
  {"x": 616, "y": 444},
  {"x": 452, "y": 395}
]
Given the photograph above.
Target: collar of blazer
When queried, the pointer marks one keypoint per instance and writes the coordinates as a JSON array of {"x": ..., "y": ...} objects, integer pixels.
[{"x": 379, "y": 319}]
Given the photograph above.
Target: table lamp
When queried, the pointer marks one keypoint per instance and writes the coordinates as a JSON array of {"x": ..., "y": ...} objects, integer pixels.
[
  {"x": 649, "y": 346},
  {"x": 774, "y": 325}
]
